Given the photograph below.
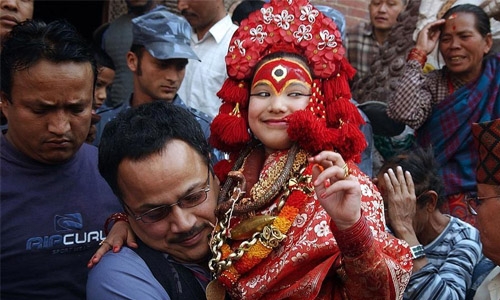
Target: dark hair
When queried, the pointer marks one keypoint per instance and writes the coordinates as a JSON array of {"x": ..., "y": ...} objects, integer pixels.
[
  {"x": 482, "y": 19},
  {"x": 243, "y": 9},
  {"x": 102, "y": 58},
  {"x": 32, "y": 41},
  {"x": 144, "y": 130},
  {"x": 422, "y": 166}
]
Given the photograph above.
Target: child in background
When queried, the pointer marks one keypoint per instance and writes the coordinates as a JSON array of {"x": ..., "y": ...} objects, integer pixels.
[{"x": 105, "y": 77}]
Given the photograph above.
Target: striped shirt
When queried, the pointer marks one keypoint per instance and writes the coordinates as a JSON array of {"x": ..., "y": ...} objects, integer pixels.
[{"x": 451, "y": 257}]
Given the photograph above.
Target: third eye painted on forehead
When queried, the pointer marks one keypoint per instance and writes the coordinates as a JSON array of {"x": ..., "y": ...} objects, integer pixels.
[{"x": 279, "y": 73}]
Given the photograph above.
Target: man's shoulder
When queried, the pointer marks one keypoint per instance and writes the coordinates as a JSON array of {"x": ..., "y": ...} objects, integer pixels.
[
  {"x": 123, "y": 273},
  {"x": 223, "y": 30},
  {"x": 198, "y": 114},
  {"x": 126, "y": 263},
  {"x": 107, "y": 112}
]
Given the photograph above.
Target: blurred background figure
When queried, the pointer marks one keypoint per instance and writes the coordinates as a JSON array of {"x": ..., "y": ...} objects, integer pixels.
[
  {"x": 211, "y": 33},
  {"x": 244, "y": 8},
  {"x": 105, "y": 76},
  {"x": 12, "y": 12},
  {"x": 116, "y": 42}
]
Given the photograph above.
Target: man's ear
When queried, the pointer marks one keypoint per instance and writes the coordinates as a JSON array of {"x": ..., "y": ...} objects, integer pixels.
[
  {"x": 432, "y": 198},
  {"x": 132, "y": 61},
  {"x": 4, "y": 104}
]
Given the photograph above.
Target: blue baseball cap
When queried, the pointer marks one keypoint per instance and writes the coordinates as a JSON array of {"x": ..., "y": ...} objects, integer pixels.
[{"x": 164, "y": 34}]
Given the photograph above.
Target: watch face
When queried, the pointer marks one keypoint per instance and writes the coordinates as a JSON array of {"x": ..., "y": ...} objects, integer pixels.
[{"x": 417, "y": 251}]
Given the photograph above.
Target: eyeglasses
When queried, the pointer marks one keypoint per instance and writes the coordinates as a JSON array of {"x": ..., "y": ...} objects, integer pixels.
[
  {"x": 158, "y": 213},
  {"x": 473, "y": 202}
]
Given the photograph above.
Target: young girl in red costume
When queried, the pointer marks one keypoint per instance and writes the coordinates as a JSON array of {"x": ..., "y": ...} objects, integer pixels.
[{"x": 296, "y": 217}]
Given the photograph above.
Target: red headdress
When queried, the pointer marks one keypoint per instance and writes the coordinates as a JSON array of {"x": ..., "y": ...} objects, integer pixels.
[{"x": 330, "y": 121}]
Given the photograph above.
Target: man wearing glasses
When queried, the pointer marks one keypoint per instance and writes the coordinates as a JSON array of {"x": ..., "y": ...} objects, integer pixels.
[
  {"x": 157, "y": 161},
  {"x": 486, "y": 205}
]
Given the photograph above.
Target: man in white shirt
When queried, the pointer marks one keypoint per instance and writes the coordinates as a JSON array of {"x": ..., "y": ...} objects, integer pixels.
[{"x": 212, "y": 30}]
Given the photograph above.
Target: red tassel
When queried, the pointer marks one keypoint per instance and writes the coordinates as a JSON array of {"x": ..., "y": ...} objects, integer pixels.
[
  {"x": 235, "y": 91},
  {"x": 351, "y": 147},
  {"x": 348, "y": 68},
  {"x": 309, "y": 131},
  {"x": 337, "y": 86},
  {"x": 313, "y": 135},
  {"x": 343, "y": 110},
  {"x": 229, "y": 131}
]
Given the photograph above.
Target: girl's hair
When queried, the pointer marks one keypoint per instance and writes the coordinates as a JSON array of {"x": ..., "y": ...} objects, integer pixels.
[{"x": 482, "y": 19}]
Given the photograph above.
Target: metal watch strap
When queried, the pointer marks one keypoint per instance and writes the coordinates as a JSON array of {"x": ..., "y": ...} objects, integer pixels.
[{"x": 417, "y": 251}]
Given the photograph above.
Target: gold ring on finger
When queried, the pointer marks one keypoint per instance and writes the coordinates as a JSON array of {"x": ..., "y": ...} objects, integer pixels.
[{"x": 346, "y": 171}]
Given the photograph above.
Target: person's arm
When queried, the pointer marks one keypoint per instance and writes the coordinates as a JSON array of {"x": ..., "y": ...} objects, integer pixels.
[
  {"x": 454, "y": 276},
  {"x": 401, "y": 210},
  {"x": 492, "y": 8},
  {"x": 120, "y": 233},
  {"x": 452, "y": 279},
  {"x": 411, "y": 102},
  {"x": 369, "y": 254},
  {"x": 123, "y": 275}
]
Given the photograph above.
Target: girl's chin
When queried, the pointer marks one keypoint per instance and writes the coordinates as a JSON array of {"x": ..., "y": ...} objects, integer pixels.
[{"x": 277, "y": 146}]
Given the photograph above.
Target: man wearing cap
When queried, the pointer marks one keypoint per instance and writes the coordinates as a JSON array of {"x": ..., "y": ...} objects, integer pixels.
[
  {"x": 157, "y": 59},
  {"x": 486, "y": 205},
  {"x": 116, "y": 41}
]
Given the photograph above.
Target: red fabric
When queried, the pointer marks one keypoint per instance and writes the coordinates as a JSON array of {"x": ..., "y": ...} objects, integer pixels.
[
  {"x": 302, "y": 267},
  {"x": 456, "y": 205}
]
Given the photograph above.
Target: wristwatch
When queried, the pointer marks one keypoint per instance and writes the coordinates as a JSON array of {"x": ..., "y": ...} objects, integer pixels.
[{"x": 417, "y": 252}]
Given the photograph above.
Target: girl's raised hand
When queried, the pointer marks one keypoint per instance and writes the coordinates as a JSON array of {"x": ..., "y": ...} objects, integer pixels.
[{"x": 338, "y": 192}]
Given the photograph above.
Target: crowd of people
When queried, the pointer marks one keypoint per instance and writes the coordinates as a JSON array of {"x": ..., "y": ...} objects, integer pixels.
[{"x": 220, "y": 154}]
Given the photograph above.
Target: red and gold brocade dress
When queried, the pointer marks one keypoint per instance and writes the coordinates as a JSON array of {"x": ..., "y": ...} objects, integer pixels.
[{"x": 300, "y": 254}]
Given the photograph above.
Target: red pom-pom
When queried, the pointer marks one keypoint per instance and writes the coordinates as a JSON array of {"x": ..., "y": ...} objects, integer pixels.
[
  {"x": 352, "y": 142},
  {"x": 234, "y": 91},
  {"x": 222, "y": 168},
  {"x": 309, "y": 131}
]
